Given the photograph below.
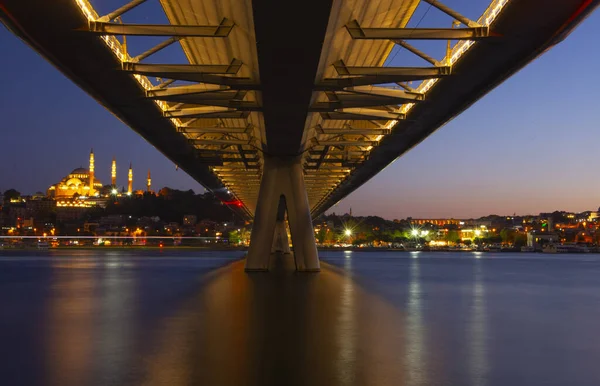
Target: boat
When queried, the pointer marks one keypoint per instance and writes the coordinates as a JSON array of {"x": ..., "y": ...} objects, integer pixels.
[
  {"x": 565, "y": 248},
  {"x": 43, "y": 245},
  {"x": 494, "y": 248}
]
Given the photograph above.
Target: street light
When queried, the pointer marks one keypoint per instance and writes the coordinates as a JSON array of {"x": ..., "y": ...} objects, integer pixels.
[
  {"x": 415, "y": 232},
  {"x": 114, "y": 192},
  {"x": 348, "y": 232}
]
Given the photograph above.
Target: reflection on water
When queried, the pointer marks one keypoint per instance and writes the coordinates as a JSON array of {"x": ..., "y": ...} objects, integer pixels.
[
  {"x": 477, "y": 332},
  {"x": 416, "y": 373},
  {"x": 346, "y": 332},
  {"x": 366, "y": 319}
]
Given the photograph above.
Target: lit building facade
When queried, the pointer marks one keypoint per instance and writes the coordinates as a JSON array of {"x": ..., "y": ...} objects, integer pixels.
[{"x": 80, "y": 182}]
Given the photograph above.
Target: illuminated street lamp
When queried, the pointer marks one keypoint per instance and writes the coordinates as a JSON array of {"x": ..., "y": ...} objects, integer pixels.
[
  {"x": 114, "y": 192},
  {"x": 415, "y": 232},
  {"x": 348, "y": 232}
]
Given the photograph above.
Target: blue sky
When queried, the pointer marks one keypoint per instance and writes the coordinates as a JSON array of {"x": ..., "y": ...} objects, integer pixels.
[{"x": 528, "y": 146}]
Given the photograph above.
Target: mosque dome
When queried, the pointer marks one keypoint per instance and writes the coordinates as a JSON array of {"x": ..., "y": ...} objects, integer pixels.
[{"x": 80, "y": 171}]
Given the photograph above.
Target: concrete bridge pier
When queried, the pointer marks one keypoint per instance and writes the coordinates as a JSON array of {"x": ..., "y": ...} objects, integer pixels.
[{"x": 282, "y": 189}]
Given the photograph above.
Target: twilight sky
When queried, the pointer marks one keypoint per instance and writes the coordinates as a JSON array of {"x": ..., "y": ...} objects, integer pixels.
[{"x": 531, "y": 145}]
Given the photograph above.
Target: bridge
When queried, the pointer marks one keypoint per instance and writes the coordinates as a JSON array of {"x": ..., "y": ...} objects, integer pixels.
[{"x": 288, "y": 107}]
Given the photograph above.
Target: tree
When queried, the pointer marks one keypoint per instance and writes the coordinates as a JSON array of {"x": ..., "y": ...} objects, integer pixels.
[
  {"x": 452, "y": 236},
  {"x": 11, "y": 194}
]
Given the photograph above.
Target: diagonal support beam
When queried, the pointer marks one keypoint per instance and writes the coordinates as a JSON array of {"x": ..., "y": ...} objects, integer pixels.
[
  {"x": 243, "y": 156},
  {"x": 450, "y": 12},
  {"x": 219, "y": 31},
  {"x": 118, "y": 12},
  {"x": 322, "y": 156},
  {"x": 470, "y": 33},
  {"x": 418, "y": 52},
  {"x": 155, "y": 49}
]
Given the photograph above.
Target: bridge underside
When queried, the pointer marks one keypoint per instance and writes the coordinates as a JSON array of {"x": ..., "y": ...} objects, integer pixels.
[{"x": 292, "y": 100}]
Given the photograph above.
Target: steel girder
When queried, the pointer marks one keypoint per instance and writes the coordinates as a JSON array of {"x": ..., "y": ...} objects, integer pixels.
[
  {"x": 471, "y": 33},
  {"x": 211, "y": 31}
]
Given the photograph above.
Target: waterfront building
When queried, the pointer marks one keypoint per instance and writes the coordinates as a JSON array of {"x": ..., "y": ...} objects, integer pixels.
[{"x": 434, "y": 221}]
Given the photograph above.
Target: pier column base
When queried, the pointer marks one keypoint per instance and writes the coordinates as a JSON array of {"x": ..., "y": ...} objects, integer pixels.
[
  {"x": 280, "y": 239},
  {"x": 282, "y": 189}
]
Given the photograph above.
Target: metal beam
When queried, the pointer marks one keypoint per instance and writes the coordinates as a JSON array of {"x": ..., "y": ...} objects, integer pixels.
[
  {"x": 450, "y": 12},
  {"x": 220, "y": 161},
  {"x": 155, "y": 49},
  {"x": 340, "y": 84},
  {"x": 322, "y": 156},
  {"x": 184, "y": 90},
  {"x": 165, "y": 70},
  {"x": 355, "y": 131},
  {"x": 205, "y": 97},
  {"x": 206, "y": 113},
  {"x": 369, "y": 114},
  {"x": 234, "y": 83},
  {"x": 240, "y": 149},
  {"x": 119, "y": 11},
  {"x": 220, "y": 152},
  {"x": 320, "y": 176},
  {"x": 363, "y": 99},
  {"x": 228, "y": 104},
  {"x": 470, "y": 33},
  {"x": 382, "y": 92},
  {"x": 418, "y": 52},
  {"x": 348, "y": 143},
  {"x": 224, "y": 141},
  {"x": 211, "y": 130},
  {"x": 344, "y": 70},
  {"x": 219, "y": 31}
]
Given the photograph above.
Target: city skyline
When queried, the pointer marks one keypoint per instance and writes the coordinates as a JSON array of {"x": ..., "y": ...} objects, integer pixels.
[{"x": 527, "y": 147}]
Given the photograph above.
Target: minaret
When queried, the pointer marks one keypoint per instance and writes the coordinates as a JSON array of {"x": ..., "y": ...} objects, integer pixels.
[
  {"x": 149, "y": 181},
  {"x": 91, "y": 172},
  {"x": 130, "y": 180},
  {"x": 113, "y": 173}
]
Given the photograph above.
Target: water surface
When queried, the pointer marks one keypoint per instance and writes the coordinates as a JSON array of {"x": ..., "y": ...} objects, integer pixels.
[{"x": 376, "y": 318}]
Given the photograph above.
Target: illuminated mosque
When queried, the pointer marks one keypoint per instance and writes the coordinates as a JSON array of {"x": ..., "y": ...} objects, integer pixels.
[{"x": 82, "y": 182}]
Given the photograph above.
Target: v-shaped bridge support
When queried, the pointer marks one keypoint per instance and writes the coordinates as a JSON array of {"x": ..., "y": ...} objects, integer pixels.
[{"x": 282, "y": 188}]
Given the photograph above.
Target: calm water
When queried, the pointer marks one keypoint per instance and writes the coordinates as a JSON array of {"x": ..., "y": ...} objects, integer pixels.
[{"x": 187, "y": 318}]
